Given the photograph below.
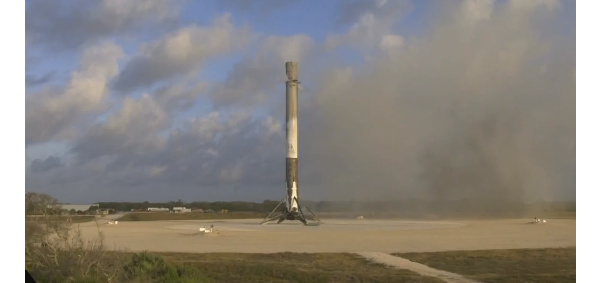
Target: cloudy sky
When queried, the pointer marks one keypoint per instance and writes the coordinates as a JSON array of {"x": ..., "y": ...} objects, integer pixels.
[{"x": 166, "y": 100}]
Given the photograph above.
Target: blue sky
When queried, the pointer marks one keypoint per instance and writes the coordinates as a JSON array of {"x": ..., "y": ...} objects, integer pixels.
[{"x": 166, "y": 100}]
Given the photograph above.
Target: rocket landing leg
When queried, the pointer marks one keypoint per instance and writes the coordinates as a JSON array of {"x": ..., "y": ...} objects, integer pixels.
[{"x": 291, "y": 215}]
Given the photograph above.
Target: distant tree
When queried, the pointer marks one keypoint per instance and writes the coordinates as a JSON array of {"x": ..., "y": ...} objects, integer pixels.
[
  {"x": 92, "y": 209},
  {"x": 41, "y": 204}
]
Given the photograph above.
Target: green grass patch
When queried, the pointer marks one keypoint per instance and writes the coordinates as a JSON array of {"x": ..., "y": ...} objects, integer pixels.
[
  {"x": 293, "y": 267},
  {"x": 145, "y": 267},
  {"x": 231, "y": 267},
  {"x": 154, "y": 216},
  {"x": 522, "y": 265},
  {"x": 525, "y": 265}
]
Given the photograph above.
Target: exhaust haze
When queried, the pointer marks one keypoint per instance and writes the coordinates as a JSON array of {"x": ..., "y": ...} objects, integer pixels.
[{"x": 482, "y": 108}]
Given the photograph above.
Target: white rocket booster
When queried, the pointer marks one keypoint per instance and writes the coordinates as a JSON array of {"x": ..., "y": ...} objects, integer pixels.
[
  {"x": 291, "y": 117},
  {"x": 293, "y": 209}
]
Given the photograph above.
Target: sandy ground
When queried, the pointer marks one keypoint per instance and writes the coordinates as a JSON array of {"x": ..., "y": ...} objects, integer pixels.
[{"x": 334, "y": 235}]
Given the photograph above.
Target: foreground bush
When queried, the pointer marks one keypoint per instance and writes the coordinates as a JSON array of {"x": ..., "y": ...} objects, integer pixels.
[
  {"x": 56, "y": 252},
  {"x": 144, "y": 267}
]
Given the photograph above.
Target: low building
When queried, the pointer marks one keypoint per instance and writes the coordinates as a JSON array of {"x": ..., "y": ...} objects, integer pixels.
[
  {"x": 158, "y": 209},
  {"x": 181, "y": 209}
]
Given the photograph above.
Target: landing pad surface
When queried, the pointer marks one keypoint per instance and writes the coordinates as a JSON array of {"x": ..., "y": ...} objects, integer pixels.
[{"x": 333, "y": 235}]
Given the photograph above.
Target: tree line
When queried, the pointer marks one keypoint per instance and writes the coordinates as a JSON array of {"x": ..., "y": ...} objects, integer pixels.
[{"x": 43, "y": 204}]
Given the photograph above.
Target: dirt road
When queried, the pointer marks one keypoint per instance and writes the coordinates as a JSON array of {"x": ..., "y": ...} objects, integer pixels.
[{"x": 425, "y": 270}]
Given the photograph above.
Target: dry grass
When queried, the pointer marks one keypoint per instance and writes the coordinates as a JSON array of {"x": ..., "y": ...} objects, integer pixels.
[
  {"x": 523, "y": 265},
  {"x": 293, "y": 267},
  {"x": 56, "y": 252},
  {"x": 540, "y": 265}
]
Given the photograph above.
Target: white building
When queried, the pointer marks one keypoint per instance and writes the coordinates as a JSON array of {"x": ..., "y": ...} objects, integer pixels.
[
  {"x": 157, "y": 209},
  {"x": 181, "y": 209}
]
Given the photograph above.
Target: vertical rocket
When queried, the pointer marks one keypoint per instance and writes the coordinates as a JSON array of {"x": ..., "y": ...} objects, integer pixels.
[
  {"x": 291, "y": 120},
  {"x": 292, "y": 209}
]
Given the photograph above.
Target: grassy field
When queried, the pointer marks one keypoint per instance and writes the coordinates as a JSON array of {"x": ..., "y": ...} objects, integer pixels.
[
  {"x": 247, "y": 268},
  {"x": 153, "y": 216},
  {"x": 523, "y": 265},
  {"x": 292, "y": 267},
  {"x": 526, "y": 265}
]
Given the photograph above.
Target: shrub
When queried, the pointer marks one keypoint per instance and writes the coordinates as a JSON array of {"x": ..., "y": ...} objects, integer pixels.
[
  {"x": 56, "y": 252},
  {"x": 145, "y": 267}
]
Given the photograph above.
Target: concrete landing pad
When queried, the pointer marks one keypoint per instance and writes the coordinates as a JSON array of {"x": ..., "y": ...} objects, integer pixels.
[{"x": 334, "y": 235}]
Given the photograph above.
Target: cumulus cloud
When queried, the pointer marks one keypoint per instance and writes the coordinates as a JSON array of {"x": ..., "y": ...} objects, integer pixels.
[
  {"x": 39, "y": 165},
  {"x": 180, "y": 53},
  {"x": 51, "y": 112},
  {"x": 371, "y": 22},
  {"x": 59, "y": 25},
  {"x": 352, "y": 11},
  {"x": 475, "y": 10},
  {"x": 218, "y": 155},
  {"x": 253, "y": 79},
  {"x": 31, "y": 80},
  {"x": 180, "y": 97},
  {"x": 130, "y": 134},
  {"x": 256, "y": 8},
  {"x": 391, "y": 42},
  {"x": 234, "y": 150},
  {"x": 528, "y": 6}
]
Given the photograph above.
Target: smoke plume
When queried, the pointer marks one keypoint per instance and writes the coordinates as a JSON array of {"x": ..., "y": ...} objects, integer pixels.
[{"x": 480, "y": 109}]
